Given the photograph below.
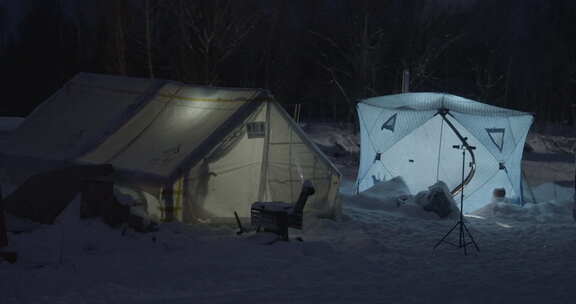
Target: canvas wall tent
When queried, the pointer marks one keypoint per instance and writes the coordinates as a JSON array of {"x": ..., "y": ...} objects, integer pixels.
[
  {"x": 202, "y": 152},
  {"x": 7, "y": 125},
  {"x": 412, "y": 135}
]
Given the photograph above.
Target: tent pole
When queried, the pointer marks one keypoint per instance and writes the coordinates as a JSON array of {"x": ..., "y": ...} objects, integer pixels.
[
  {"x": 465, "y": 145},
  {"x": 439, "y": 150},
  {"x": 265, "y": 151},
  {"x": 168, "y": 198}
]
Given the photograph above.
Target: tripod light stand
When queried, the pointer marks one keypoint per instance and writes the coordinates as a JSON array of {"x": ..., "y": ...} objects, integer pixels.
[{"x": 463, "y": 230}]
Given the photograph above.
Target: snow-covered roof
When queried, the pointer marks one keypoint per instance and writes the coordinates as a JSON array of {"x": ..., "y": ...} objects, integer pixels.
[{"x": 436, "y": 101}]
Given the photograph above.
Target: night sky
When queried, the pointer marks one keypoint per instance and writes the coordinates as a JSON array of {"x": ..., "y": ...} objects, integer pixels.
[{"x": 325, "y": 54}]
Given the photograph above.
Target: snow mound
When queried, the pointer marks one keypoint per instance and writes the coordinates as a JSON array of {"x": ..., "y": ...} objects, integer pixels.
[
  {"x": 9, "y": 123},
  {"x": 393, "y": 188},
  {"x": 553, "y": 204},
  {"x": 333, "y": 139},
  {"x": 391, "y": 196},
  {"x": 141, "y": 203},
  {"x": 44, "y": 245},
  {"x": 540, "y": 143},
  {"x": 549, "y": 212},
  {"x": 551, "y": 192}
]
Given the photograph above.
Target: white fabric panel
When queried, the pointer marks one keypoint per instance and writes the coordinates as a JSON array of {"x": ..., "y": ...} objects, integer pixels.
[
  {"x": 406, "y": 122},
  {"x": 516, "y": 129},
  {"x": 514, "y": 163},
  {"x": 287, "y": 155},
  {"x": 487, "y": 170},
  {"x": 367, "y": 116},
  {"x": 427, "y": 155},
  {"x": 375, "y": 139},
  {"x": 520, "y": 125},
  {"x": 415, "y": 157},
  {"x": 480, "y": 128}
]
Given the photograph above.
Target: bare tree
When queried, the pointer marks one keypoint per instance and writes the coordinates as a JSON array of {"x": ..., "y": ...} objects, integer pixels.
[
  {"x": 487, "y": 81},
  {"x": 269, "y": 51},
  {"x": 212, "y": 31},
  {"x": 146, "y": 30},
  {"x": 425, "y": 42},
  {"x": 353, "y": 63},
  {"x": 3, "y": 32},
  {"x": 148, "y": 13},
  {"x": 116, "y": 24}
]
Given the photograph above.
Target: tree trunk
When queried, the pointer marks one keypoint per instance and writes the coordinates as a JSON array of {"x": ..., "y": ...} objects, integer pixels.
[
  {"x": 120, "y": 39},
  {"x": 148, "y": 23}
]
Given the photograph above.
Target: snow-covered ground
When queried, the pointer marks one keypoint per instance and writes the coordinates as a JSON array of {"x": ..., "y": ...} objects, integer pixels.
[
  {"x": 375, "y": 253},
  {"x": 7, "y": 124}
]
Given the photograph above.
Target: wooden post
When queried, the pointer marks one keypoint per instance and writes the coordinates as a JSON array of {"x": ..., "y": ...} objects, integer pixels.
[
  {"x": 9, "y": 256},
  {"x": 3, "y": 232},
  {"x": 168, "y": 200},
  {"x": 574, "y": 115},
  {"x": 406, "y": 81}
]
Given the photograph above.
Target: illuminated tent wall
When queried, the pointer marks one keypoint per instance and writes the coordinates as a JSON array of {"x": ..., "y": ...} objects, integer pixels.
[
  {"x": 412, "y": 135},
  {"x": 203, "y": 152}
]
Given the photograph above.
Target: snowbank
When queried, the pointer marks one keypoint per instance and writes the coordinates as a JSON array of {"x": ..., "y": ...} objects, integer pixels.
[
  {"x": 394, "y": 196},
  {"x": 333, "y": 138},
  {"x": 552, "y": 192},
  {"x": 380, "y": 251},
  {"x": 371, "y": 255},
  {"x": 141, "y": 203},
  {"x": 10, "y": 123},
  {"x": 554, "y": 204},
  {"x": 7, "y": 125}
]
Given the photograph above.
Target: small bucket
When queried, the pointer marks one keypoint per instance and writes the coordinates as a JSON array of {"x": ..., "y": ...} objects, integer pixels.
[{"x": 499, "y": 195}]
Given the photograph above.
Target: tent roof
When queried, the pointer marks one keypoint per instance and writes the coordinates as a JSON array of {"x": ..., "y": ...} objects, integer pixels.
[
  {"x": 142, "y": 126},
  {"x": 436, "y": 101},
  {"x": 126, "y": 121}
]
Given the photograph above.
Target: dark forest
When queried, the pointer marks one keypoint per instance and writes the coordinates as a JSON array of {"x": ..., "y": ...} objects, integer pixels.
[{"x": 325, "y": 55}]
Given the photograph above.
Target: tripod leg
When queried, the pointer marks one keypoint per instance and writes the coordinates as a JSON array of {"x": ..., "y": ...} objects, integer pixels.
[
  {"x": 446, "y": 235},
  {"x": 463, "y": 238},
  {"x": 472, "y": 238}
]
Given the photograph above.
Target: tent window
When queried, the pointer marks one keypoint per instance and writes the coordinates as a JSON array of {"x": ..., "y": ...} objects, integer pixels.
[
  {"x": 256, "y": 129},
  {"x": 378, "y": 156},
  {"x": 390, "y": 124},
  {"x": 497, "y": 137}
]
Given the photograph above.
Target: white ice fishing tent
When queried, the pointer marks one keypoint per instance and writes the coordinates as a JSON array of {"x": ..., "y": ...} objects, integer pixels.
[
  {"x": 413, "y": 135},
  {"x": 202, "y": 152}
]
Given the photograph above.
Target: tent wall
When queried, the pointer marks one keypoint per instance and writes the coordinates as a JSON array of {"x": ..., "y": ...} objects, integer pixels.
[
  {"x": 376, "y": 140},
  {"x": 227, "y": 179},
  {"x": 188, "y": 147},
  {"x": 405, "y": 135},
  {"x": 270, "y": 168},
  {"x": 242, "y": 170},
  {"x": 292, "y": 158}
]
